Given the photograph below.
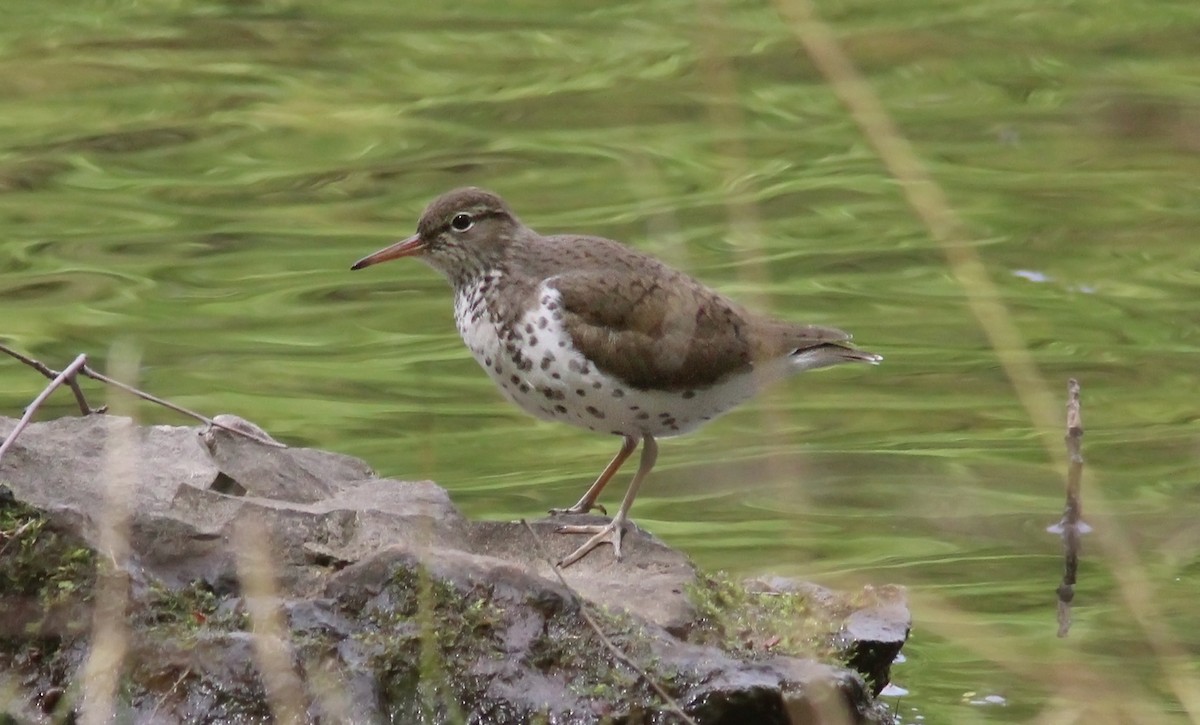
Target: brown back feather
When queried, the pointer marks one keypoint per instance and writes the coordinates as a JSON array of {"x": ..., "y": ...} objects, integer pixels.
[{"x": 655, "y": 327}]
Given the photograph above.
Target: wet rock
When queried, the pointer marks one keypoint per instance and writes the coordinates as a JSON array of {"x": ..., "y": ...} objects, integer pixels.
[
  {"x": 391, "y": 604},
  {"x": 875, "y": 623}
]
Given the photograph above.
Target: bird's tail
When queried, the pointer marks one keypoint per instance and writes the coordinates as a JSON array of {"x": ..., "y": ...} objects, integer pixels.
[{"x": 831, "y": 353}]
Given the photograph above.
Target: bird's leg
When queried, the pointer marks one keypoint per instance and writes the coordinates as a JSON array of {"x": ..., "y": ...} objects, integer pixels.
[
  {"x": 615, "y": 529},
  {"x": 588, "y": 502}
]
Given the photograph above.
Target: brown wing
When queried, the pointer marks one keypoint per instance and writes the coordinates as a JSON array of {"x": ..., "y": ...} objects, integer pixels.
[{"x": 655, "y": 327}]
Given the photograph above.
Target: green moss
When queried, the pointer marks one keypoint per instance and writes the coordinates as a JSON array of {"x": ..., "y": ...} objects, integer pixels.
[
  {"x": 46, "y": 573},
  {"x": 47, "y": 578},
  {"x": 570, "y": 649},
  {"x": 758, "y": 624},
  {"x": 192, "y": 608},
  {"x": 426, "y": 636}
]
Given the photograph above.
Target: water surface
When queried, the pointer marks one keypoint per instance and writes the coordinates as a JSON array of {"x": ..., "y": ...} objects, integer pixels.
[{"x": 196, "y": 178}]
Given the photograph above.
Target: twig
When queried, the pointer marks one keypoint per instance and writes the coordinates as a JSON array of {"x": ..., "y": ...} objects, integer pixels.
[
  {"x": 58, "y": 380},
  {"x": 163, "y": 699},
  {"x": 1070, "y": 525},
  {"x": 90, "y": 373},
  {"x": 616, "y": 652},
  {"x": 84, "y": 408}
]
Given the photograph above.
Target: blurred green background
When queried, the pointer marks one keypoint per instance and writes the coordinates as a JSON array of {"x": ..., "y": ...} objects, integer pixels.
[{"x": 195, "y": 178}]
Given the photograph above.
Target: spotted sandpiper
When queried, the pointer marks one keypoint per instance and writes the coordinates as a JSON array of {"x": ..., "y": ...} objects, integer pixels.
[{"x": 587, "y": 331}]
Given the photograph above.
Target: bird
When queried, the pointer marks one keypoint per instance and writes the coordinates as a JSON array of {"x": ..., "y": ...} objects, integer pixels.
[{"x": 588, "y": 331}]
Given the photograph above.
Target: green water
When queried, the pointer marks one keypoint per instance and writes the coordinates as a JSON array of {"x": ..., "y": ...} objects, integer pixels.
[{"x": 196, "y": 178}]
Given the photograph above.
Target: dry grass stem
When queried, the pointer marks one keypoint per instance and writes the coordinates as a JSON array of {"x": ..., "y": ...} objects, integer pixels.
[
  {"x": 744, "y": 221},
  {"x": 101, "y": 672},
  {"x": 272, "y": 648},
  {"x": 931, "y": 205}
]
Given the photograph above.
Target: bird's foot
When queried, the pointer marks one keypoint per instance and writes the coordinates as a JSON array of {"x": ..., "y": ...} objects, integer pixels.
[
  {"x": 610, "y": 533},
  {"x": 581, "y": 508}
]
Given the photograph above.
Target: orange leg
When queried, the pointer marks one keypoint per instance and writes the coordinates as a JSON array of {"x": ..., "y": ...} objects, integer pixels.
[
  {"x": 615, "y": 529},
  {"x": 588, "y": 502}
]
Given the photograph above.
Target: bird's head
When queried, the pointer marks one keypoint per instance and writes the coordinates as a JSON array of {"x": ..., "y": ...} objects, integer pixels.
[{"x": 461, "y": 233}]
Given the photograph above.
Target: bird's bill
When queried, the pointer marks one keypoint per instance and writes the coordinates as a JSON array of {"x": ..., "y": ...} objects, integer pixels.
[{"x": 403, "y": 248}]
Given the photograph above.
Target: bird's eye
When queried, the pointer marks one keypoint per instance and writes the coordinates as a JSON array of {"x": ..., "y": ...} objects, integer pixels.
[{"x": 462, "y": 222}]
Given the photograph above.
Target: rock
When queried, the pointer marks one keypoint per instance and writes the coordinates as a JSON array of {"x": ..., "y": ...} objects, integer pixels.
[
  {"x": 390, "y": 605},
  {"x": 298, "y": 475},
  {"x": 874, "y": 634},
  {"x": 875, "y": 623}
]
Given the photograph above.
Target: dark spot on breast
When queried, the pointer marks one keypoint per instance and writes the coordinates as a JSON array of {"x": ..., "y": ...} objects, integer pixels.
[
  {"x": 515, "y": 379},
  {"x": 556, "y": 376},
  {"x": 547, "y": 359},
  {"x": 487, "y": 361},
  {"x": 524, "y": 388},
  {"x": 597, "y": 385},
  {"x": 618, "y": 393},
  {"x": 542, "y": 322},
  {"x": 529, "y": 327},
  {"x": 562, "y": 343},
  {"x": 660, "y": 415},
  {"x": 573, "y": 365},
  {"x": 561, "y": 408},
  {"x": 580, "y": 392},
  {"x": 617, "y": 432},
  {"x": 635, "y": 407},
  {"x": 525, "y": 364},
  {"x": 643, "y": 416},
  {"x": 595, "y": 411},
  {"x": 689, "y": 394},
  {"x": 546, "y": 300},
  {"x": 532, "y": 340},
  {"x": 550, "y": 305},
  {"x": 670, "y": 422}
]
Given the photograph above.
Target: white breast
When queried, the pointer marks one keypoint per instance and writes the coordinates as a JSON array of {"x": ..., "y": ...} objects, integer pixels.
[{"x": 538, "y": 368}]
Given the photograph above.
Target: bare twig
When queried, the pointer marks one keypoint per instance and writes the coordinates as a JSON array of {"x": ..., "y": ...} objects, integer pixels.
[
  {"x": 163, "y": 698},
  {"x": 84, "y": 408},
  {"x": 616, "y": 652},
  {"x": 58, "y": 380},
  {"x": 109, "y": 643},
  {"x": 1070, "y": 526},
  {"x": 90, "y": 373}
]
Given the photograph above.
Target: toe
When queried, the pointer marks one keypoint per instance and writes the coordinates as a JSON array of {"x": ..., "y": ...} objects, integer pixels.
[{"x": 610, "y": 533}]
